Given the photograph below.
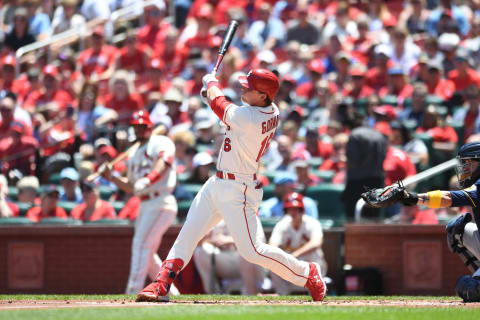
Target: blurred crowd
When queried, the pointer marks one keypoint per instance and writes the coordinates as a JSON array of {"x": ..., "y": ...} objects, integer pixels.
[{"x": 370, "y": 92}]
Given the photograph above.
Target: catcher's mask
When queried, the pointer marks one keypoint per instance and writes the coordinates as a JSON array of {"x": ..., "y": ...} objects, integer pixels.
[{"x": 468, "y": 155}]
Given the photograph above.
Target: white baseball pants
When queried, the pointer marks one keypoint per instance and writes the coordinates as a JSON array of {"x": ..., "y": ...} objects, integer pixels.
[
  {"x": 152, "y": 222},
  {"x": 237, "y": 202}
]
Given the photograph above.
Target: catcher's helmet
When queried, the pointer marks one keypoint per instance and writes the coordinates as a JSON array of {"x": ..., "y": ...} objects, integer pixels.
[
  {"x": 468, "y": 152},
  {"x": 261, "y": 80},
  {"x": 293, "y": 200},
  {"x": 141, "y": 117}
]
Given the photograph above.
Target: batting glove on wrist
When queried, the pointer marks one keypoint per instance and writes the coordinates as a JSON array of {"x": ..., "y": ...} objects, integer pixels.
[
  {"x": 209, "y": 77},
  {"x": 141, "y": 185}
]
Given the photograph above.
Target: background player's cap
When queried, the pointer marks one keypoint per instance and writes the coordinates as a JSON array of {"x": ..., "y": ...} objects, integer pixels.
[
  {"x": 141, "y": 117},
  {"x": 261, "y": 80},
  {"x": 293, "y": 200}
]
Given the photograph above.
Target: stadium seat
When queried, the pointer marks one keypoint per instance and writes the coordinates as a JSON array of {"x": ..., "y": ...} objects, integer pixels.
[
  {"x": 105, "y": 192},
  {"x": 54, "y": 178},
  {"x": 269, "y": 222},
  {"x": 325, "y": 175},
  {"x": 329, "y": 204},
  {"x": 117, "y": 222},
  {"x": 390, "y": 99},
  {"x": 16, "y": 221},
  {"x": 118, "y": 206},
  {"x": 60, "y": 221},
  {"x": 23, "y": 208},
  {"x": 192, "y": 187},
  {"x": 13, "y": 193},
  {"x": 67, "y": 205},
  {"x": 183, "y": 207},
  {"x": 435, "y": 100},
  {"x": 315, "y": 162},
  {"x": 268, "y": 191}
]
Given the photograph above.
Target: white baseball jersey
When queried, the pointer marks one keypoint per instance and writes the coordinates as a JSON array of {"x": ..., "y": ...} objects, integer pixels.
[
  {"x": 254, "y": 129},
  {"x": 290, "y": 239},
  {"x": 142, "y": 161}
]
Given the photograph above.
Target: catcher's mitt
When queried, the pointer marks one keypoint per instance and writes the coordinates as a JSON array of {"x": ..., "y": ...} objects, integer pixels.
[{"x": 385, "y": 197}]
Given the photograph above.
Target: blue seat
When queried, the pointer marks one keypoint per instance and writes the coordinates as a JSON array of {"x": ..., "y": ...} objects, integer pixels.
[
  {"x": 60, "y": 221},
  {"x": 117, "y": 222},
  {"x": 16, "y": 221}
]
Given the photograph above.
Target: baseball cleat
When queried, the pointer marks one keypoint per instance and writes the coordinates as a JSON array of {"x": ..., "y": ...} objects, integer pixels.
[
  {"x": 151, "y": 294},
  {"x": 315, "y": 283}
]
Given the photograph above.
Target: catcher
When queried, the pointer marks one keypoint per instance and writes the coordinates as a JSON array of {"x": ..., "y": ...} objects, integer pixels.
[{"x": 462, "y": 234}]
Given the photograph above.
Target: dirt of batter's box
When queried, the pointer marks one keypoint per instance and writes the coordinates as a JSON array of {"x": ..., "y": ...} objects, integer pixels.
[{"x": 56, "y": 304}]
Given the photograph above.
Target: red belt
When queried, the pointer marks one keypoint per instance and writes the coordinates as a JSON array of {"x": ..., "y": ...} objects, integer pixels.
[
  {"x": 231, "y": 176},
  {"x": 150, "y": 196}
]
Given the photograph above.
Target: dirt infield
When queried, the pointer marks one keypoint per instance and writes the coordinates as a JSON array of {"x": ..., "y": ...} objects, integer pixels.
[{"x": 59, "y": 304}]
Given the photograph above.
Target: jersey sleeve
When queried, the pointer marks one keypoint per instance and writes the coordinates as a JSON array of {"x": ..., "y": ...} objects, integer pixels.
[
  {"x": 276, "y": 239},
  {"x": 466, "y": 197},
  {"x": 315, "y": 230},
  {"x": 163, "y": 148},
  {"x": 232, "y": 115}
]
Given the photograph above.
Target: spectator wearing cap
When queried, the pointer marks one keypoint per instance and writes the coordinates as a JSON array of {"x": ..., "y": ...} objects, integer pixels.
[
  {"x": 281, "y": 150},
  {"x": 98, "y": 61},
  {"x": 285, "y": 183},
  {"x": 401, "y": 137},
  {"x": 385, "y": 112},
  {"x": 48, "y": 92},
  {"x": 469, "y": 114},
  {"x": 153, "y": 80},
  {"x": 417, "y": 110},
  {"x": 358, "y": 88},
  {"x": 59, "y": 133},
  {"x": 315, "y": 146},
  {"x": 445, "y": 138},
  {"x": 419, "y": 72},
  {"x": 267, "y": 32},
  {"x": 194, "y": 85},
  {"x": 38, "y": 20},
  {"x": 340, "y": 24},
  {"x": 301, "y": 29},
  {"x": 132, "y": 56},
  {"x": 28, "y": 190},
  {"x": 48, "y": 207},
  {"x": 447, "y": 9},
  {"x": 397, "y": 85},
  {"x": 338, "y": 161},
  {"x": 92, "y": 208},
  {"x": 436, "y": 84},
  {"x": 342, "y": 66},
  {"x": 376, "y": 77},
  {"x": 316, "y": 70},
  {"x": 7, "y": 208},
  {"x": 404, "y": 52},
  {"x": 20, "y": 34},
  {"x": 18, "y": 150},
  {"x": 66, "y": 17},
  {"x": 69, "y": 78},
  {"x": 203, "y": 166},
  {"x": 414, "y": 17},
  {"x": 397, "y": 163},
  {"x": 122, "y": 97},
  {"x": 8, "y": 82},
  {"x": 205, "y": 128},
  {"x": 447, "y": 44},
  {"x": 463, "y": 75},
  {"x": 173, "y": 99},
  {"x": 184, "y": 150},
  {"x": 71, "y": 192},
  {"x": 9, "y": 112},
  {"x": 305, "y": 178},
  {"x": 153, "y": 33}
]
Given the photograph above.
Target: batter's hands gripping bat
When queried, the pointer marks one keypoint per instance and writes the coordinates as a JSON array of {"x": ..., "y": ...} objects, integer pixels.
[{"x": 122, "y": 156}]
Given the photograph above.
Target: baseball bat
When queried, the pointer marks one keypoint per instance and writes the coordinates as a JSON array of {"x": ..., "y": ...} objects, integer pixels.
[
  {"x": 157, "y": 131},
  {"x": 227, "y": 40}
]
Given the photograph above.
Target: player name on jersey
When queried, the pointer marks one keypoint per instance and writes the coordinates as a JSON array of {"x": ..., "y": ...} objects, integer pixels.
[{"x": 269, "y": 124}]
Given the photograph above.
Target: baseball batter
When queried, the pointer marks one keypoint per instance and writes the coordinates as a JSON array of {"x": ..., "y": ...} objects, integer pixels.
[
  {"x": 234, "y": 193},
  {"x": 151, "y": 176}
]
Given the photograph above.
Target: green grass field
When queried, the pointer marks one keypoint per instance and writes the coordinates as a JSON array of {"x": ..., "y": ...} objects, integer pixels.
[{"x": 91, "y": 307}]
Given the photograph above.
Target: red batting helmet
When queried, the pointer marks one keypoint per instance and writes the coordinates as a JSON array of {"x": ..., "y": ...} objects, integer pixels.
[
  {"x": 293, "y": 200},
  {"x": 261, "y": 80},
  {"x": 141, "y": 117}
]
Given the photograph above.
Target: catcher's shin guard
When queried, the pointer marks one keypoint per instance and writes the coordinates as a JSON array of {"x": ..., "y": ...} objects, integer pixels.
[
  {"x": 315, "y": 283},
  {"x": 468, "y": 288},
  {"x": 455, "y": 230},
  {"x": 158, "y": 290}
]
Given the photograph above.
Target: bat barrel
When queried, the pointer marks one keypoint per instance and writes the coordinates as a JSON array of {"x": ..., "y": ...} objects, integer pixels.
[{"x": 232, "y": 28}]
